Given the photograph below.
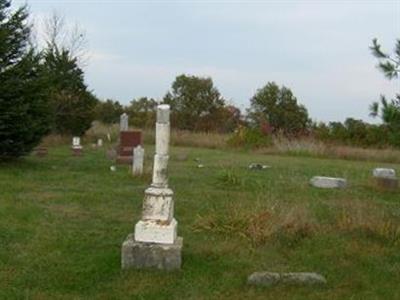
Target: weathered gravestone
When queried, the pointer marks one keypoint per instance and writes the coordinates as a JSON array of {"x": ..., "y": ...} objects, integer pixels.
[
  {"x": 385, "y": 178},
  {"x": 155, "y": 243},
  {"x": 128, "y": 140},
  {"x": 138, "y": 157},
  {"x": 268, "y": 279},
  {"x": 76, "y": 146},
  {"x": 328, "y": 182},
  {"x": 100, "y": 143},
  {"x": 384, "y": 173},
  {"x": 123, "y": 122}
]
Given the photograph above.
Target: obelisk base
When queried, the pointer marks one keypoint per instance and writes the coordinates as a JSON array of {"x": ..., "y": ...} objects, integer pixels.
[{"x": 140, "y": 255}]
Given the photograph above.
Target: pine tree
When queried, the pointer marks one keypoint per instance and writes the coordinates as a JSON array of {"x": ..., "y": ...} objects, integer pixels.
[
  {"x": 388, "y": 110},
  {"x": 73, "y": 105},
  {"x": 24, "y": 110}
]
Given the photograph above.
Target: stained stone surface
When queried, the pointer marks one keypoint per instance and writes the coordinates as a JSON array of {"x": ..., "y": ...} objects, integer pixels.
[
  {"x": 163, "y": 113},
  {"x": 158, "y": 204},
  {"x": 263, "y": 278},
  {"x": 160, "y": 171},
  {"x": 124, "y": 122},
  {"x": 303, "y": 278},
  {"x": 384, "y": 173},
  {"x": 328, "y": 182},
  {"x": 138, "y": 159},
  {"x": 300, "y": 278},
  {"x": 140, "y": 255},
  {"x": 154, "y": 231}
]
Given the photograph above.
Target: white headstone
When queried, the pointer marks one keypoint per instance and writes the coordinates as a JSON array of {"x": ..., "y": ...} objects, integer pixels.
[
  {"x": 76, "y": 142},
  {"x": 137, "y": 162},
  {"x": 123, "y": 123},
  {"x": 384, "y": 173},
  {"x": 328, "y": 182},
  {"x": 99, "y": 143}
]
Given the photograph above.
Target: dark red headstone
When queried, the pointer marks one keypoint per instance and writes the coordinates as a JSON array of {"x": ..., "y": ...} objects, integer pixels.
[{"x": 127, "y": 141}]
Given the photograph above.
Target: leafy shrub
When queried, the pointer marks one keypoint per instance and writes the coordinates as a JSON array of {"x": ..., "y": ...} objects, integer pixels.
[{"x": 249, "y": 137}]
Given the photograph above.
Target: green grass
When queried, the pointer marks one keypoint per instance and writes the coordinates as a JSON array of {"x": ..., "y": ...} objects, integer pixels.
[{"x": 63, "y": 220}]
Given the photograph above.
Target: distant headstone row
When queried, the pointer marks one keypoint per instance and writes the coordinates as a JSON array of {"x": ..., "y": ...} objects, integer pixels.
[{"x": 385, "y": 178}]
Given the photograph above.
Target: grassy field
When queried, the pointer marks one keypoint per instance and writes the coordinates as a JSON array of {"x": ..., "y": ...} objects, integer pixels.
[{"x": 63, "y": 220}]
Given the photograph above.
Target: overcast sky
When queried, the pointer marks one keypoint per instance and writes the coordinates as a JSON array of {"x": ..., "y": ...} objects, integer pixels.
[{"x": 319, "y": 49}]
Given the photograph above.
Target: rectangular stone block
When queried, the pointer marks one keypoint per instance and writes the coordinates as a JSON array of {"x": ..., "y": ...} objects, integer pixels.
[
  {"x": 158, "y": 204},
  {"x": 156, "y": 231},
  {"x": 138, "y": 255},
  {"x": 328, "y": 182},
  {"x": 384, "y": 173}
]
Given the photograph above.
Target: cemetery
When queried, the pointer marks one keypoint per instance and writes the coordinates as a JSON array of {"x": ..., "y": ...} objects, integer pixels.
[
  {"x": 113, "y": 186},
  {"x": 253, "y": 225}
]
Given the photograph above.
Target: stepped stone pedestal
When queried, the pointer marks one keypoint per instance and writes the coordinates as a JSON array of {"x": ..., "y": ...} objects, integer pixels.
[{"x": 155, "y": 243}]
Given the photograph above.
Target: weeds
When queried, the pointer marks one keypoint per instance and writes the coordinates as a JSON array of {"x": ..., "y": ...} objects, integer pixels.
[
  {"x": 303, "y": 146},
  {"x": 289, "y": 226},
  {"x": 230, "y": 178},
  {"x": 259, "y": 225}
]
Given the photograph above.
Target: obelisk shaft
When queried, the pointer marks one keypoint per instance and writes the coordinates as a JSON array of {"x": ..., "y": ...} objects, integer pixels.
[{"x": 160, "y": 168}]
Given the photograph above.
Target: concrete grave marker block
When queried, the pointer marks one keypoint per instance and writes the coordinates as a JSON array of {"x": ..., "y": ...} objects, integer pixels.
[
  {"x": 384, "y": 173},
  {"x": 138, "y": 159},
  {"x": 385, "y": 178},
  {"x": 328, "y": 182}
]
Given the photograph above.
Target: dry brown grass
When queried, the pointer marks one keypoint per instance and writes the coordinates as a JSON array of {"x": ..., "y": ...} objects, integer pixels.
[
  {"x": 368, "y": 219},
  {"x": 313, "y": 148},
  {"x": 292, "y": 224},
  {"x": 259, "y": 224},
  {"x": 191, "y": 139},
  {"x": 281, "y": 145},
  {"x": 55, "y": 139}
]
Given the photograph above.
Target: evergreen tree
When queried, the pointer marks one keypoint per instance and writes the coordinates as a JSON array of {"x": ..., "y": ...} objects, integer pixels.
[
  {"x": 388, "y": 110},
  {"x": 24, "y": 110},
  {"x": 73, "y": 105}
]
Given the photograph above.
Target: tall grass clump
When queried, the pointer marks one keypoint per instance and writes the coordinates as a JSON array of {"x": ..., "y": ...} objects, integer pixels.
[{"x": 260, "y": 224}]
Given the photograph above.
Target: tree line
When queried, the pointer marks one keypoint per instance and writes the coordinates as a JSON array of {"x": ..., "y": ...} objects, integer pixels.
[{"x": 42, "y": 91}]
